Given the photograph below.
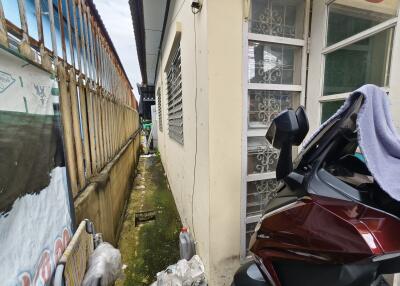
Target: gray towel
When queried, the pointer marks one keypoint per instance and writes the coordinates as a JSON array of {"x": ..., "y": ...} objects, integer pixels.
[{"x": 377, "y": 137}]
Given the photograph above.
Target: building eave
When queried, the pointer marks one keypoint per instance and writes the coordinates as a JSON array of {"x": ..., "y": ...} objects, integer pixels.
[
  {"x": 149, "y": 21},
  {"x": 138, "y": 26}
]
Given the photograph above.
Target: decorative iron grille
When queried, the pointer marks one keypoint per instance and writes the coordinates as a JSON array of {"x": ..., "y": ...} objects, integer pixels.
[
  {"x": 174, "y": 88},
  {"x": 276, "y": 18},
  {"x": 160, "y": 126},
  {"x": 265, "y": 105},
  {"x": 259, "y": 193}
]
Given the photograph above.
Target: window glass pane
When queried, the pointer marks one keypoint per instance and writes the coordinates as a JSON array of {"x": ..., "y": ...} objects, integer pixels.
[
  {"x": 259, "y": 193},
  {"x": 349, "y": 17},
  {"x": 283, "y": 18},
  {"x": 265, "y": 105},
  {"x": 262, "y": 157},
  {"x": 274, "y": 63},
  {"x": 329, "y": 108},
  {"x": 367, "y": 61}
]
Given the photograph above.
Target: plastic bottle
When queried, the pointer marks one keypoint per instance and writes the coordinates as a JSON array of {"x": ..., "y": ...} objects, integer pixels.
[
  {"x": 186, "y": 244},
  {"x": 143, "y": 142}
]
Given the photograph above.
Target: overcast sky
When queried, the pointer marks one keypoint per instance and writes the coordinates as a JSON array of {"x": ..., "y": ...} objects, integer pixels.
[{"x": 117, "y": 18}]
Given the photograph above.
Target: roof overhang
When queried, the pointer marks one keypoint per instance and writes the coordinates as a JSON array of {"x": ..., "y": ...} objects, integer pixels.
[{"x": 149, "y": 18}]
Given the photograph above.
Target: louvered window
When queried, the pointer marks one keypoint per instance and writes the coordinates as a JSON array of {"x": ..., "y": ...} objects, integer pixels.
[
  {"x": 174, "y": 86},
  {"x": 160, "y": 126}
]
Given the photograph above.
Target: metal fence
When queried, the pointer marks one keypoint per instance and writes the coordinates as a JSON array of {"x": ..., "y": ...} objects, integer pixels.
[{"x": 68, "y": 39}]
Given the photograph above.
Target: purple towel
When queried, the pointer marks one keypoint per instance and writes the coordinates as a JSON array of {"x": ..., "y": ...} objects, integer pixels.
[{"x": 377, "y": 138}]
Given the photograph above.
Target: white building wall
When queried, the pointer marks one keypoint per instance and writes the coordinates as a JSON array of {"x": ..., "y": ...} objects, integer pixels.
[
  {"x": 211, "y": 60},
  {"x": 183, "y": 163}
]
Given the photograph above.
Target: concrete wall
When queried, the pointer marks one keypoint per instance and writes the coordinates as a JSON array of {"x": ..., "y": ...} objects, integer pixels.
[
  {"x": 184, "y": 164},
  {"x": 225, "y": 73},
  {"x": 103, "y": 200},
  {"x": 211, "y": 51}
]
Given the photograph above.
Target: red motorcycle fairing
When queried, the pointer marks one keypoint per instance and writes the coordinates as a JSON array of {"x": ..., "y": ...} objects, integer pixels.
[{"x": 318, "y": 230}]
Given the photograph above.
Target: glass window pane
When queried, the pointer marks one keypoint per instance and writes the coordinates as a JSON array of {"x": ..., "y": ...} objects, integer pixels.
[
  {"x": 329, "y": 108},
  {"x": 349, "y": 17},
  {"x": 262, "y": 157},
  {"x": 259, "y": 193},
  {"x": 283, "y": 18},
  {"x": 264, "y": 105},
  {"x": 274, "y": 63},
  {"x": 367, "y": 61}
]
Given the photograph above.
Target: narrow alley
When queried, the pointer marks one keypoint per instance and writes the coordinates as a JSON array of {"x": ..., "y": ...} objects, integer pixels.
[
  {"x": 201, "y": 143},
  {"x": 149, "y": 246}
]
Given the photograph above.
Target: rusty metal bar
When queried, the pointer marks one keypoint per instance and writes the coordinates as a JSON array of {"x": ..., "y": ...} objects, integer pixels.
[
  {"x": 98, "y": 128},
  {"x": 108, "y": 121},
  {"x": 3, "y": 27},
  {"x": 102, "y": 63},
  {"x": 83, "y": 42},
  {"x": 70, "y": 38},
  {"x": 89, "y": 71},
  {"x": 102, "y": 129},
  {"x": 38, "y": 12},
  {"x": 44, "y": 56},
  {"x": 104, "y": 114},
  {"x": 97, "y": 50},
  {"x": 76, "y": 128},
  {"x": 91, "y": 47},
  {"x": 101, "y": 59},
  {"x": 85, "y": 128},
  {"x": 62, "y": 31},
  {"x": 65, "y": 109},
  {"x": 95, "y": 129},
  {"x": 22, "y": 17},
  {"x": 24, "y": 47},
  {"x": 53, "y": 31},
  {"x": 76, "y": 33},
  {"x": 96, "y": 54},
  {"x": 91, "y": 124}
]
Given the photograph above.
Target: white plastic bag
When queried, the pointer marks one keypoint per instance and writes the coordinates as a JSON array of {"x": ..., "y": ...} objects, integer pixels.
[
  {"x": 184, "y": 273},
  {"x": 104, "y": 265}
]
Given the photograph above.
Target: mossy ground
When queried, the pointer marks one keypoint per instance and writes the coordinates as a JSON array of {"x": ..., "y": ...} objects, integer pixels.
[{"x": 152, "y": 246}]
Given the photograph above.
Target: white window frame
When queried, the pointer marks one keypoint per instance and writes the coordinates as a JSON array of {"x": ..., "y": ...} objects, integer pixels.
[
  {"x": 246, "y": 132},
  {"x": 319, "y": 49}
]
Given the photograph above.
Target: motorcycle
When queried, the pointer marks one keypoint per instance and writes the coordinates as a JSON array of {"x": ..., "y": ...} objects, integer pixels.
[{"x": 330, "y": 223}]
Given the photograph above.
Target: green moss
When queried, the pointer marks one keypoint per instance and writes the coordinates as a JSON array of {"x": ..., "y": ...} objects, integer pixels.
[{"x": 152, "y": 246}]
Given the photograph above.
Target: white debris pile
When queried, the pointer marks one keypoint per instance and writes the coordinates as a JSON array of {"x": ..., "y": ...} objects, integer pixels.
[
  {"x": 184, "y": 273},
  {"x": 104, "y": 266}
]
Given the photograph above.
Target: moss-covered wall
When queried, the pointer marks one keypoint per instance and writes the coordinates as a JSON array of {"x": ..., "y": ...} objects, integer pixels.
[{"x": 103, "y": 200}]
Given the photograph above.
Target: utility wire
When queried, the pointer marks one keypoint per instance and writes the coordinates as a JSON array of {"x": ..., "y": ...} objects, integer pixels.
[{"x": 195, "y": 111}]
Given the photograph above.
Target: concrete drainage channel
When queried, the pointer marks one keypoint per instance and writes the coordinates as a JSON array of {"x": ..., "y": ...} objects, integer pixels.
[
  {"x": 150, "y": 232},
  {"x": 145, "y": 216}
]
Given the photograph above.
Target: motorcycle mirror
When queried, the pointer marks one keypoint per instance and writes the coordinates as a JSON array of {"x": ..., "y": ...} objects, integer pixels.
[{"x": 288, "y": 129}]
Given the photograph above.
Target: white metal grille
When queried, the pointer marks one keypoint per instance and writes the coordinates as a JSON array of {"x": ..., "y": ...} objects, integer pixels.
[
  {"x": 160, "y": 126},
  {"x": 275, "y": 63},
  {"x": 174, "y": 87}
]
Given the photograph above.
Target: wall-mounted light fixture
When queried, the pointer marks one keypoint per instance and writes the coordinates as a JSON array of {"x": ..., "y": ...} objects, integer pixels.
[{"x": 196, "y": 6}]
